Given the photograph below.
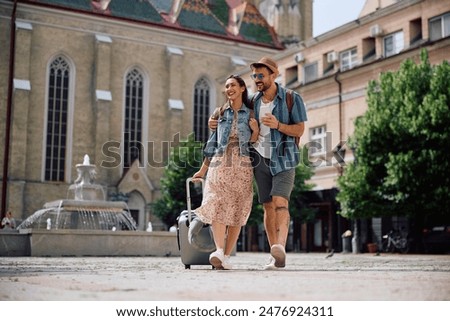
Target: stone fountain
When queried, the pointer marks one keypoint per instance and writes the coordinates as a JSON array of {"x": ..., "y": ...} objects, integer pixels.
[
  {"x": 85, "y": 207},
  {"x": 85, "y": 224}
]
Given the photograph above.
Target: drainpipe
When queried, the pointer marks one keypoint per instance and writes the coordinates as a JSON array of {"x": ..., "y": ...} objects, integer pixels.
[
  {"x": 12, "y": 46},
  {"x": 355, "y": 238},
  {"x": 336, "y": 75},
  {"x": 339, "y": 151}
]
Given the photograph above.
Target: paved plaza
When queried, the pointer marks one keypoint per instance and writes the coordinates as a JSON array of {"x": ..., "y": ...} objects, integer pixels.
[{"x": 310, "y": 277}]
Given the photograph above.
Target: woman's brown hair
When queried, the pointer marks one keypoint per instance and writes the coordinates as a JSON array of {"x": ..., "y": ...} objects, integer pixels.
[{"x": 245, "y": 101}]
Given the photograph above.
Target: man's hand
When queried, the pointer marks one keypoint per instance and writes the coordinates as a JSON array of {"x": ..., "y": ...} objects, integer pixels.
[{"x": 269, "y": 120}]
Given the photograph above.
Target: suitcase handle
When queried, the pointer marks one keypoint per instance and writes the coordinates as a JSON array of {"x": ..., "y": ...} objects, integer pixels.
[{"x": 190, "y": 180}]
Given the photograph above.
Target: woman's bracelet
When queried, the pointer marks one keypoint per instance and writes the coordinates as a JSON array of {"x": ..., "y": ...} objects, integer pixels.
[{"x": 278, "y": 126}]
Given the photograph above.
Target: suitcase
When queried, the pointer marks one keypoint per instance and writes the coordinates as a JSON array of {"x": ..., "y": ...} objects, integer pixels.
[{"x": 195, "y": 240}]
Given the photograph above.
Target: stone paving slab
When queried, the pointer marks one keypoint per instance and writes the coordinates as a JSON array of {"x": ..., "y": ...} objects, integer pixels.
[{"x": 307, "y": 277}]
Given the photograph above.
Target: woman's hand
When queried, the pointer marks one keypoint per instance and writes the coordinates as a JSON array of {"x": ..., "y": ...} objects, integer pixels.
[
  {"x": 202, "y": 171},
  {"x": 198, "y": 175},
  {"x": 253, "y": 123},
  {"x": 212, "y": 123}
]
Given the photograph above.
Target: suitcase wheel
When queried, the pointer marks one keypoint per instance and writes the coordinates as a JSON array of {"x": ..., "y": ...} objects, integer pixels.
[{"x": 187, "y": 266}]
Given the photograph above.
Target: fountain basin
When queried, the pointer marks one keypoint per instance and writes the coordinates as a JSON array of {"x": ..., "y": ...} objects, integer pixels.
[
  {"x": 58, "y": 243},
  {"x": 85, "y": 225},
  {"x": 14, "y": 243},
  {"x": 79, "y": 214}
]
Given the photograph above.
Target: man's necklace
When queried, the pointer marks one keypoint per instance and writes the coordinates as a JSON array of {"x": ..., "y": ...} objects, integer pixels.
[{"x": 266, "y": 100}]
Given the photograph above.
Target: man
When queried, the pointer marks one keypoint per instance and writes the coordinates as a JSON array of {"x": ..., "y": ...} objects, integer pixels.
[{"x": 276, "y": 153}]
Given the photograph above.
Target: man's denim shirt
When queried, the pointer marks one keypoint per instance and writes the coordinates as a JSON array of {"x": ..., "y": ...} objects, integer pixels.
[
  {"x": 218, "y": 140},
  {"x": 284, "y": 152}
]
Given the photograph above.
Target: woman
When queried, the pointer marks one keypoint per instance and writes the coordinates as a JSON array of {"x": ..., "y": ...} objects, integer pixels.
[
  {"x": 228, "y": 193},
  {"x": 8, "y": 221}
]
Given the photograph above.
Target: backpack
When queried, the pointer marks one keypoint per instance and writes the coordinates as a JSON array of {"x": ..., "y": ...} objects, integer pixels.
[{"x": 289, "y": 103}]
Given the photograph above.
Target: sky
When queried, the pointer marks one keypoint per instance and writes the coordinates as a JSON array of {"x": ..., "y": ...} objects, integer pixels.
[{"x": 330, "y": 14}]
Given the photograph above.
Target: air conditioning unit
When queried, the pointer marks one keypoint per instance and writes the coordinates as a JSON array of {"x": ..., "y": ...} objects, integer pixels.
[
  {"x": 299, "y": 58},
  {"x": 376, "y": 31},
  {"x": 332, "y": 57}
]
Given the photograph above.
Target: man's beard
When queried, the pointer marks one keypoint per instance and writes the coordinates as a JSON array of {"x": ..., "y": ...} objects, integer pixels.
[{"x": 261, "y": 86}]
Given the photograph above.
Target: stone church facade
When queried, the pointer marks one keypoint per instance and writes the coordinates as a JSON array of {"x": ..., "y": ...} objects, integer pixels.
[{"x": 116, "y": 80}]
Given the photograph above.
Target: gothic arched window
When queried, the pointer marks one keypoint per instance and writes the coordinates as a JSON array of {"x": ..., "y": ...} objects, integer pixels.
[
  {"x": 134, "y": 105},
  {"x": 201, "y": 110},
  {"x": 57, "y": 120}
]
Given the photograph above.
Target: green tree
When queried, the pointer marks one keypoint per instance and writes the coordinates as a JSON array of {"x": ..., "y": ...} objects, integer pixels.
[
  {"x": 303, "y": 172},
  {"x": 184, "y": 160},
  {"x": 402, "y": 165}
]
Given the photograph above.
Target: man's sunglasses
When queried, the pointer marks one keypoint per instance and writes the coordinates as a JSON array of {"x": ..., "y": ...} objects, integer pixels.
[{"x": 257, "y": 76}]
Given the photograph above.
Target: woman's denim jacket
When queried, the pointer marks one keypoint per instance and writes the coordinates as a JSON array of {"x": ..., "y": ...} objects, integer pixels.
[{"x": 219, "y": 138}]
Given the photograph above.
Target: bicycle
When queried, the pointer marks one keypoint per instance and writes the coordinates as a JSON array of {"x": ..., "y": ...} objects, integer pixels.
[{"x": 395, "y": 241}]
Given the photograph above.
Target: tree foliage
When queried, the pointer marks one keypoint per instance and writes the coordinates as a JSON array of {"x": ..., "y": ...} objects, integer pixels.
[
  {"x": 402, "y": 165},
  {"x": 184, "y": 160},
  {"x": 297, "y": 205}
]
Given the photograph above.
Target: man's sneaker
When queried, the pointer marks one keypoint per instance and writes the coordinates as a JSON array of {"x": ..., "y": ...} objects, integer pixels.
[
  {"x": 226, "y": 263},
  {"x": 216, "y": 259},
  {"x": 271, "y": 265},
  {"x": 279, "y": 254}
]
